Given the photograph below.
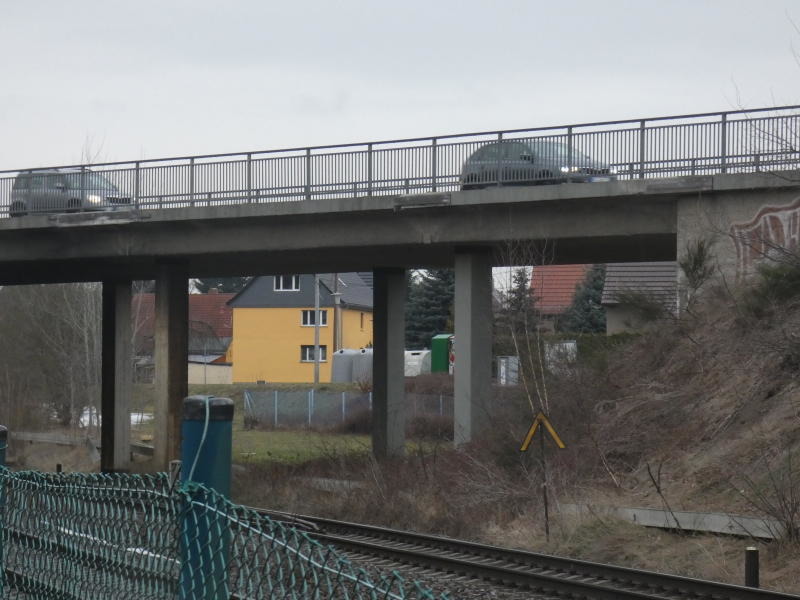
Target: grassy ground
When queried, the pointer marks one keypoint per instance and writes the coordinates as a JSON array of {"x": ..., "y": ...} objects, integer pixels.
[
  {"x": 294, "y": 447},
  {"x": 255, "y": 446}
]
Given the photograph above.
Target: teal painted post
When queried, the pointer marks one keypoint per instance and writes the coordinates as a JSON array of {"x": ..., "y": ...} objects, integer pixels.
[
  {"x": 3, "y": 446},
  {"x": 205, "y": 460}
]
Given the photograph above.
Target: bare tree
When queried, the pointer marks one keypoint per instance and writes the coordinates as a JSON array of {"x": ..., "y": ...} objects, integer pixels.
[
  {"x": 53, "y": 341},
  {"x": 518, "y": 322}
]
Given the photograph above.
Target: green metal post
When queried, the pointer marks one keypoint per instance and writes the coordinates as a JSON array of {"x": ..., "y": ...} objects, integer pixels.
[
  {"x": 206, "y": 460},
  {"x": 3, "y": 446}
]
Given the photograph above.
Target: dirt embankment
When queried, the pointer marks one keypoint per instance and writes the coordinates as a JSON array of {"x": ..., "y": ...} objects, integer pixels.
[{"x": 700, "y": 413}]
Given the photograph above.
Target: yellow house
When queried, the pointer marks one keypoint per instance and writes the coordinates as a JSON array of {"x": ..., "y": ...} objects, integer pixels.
[{"x": 274, "y": 325}]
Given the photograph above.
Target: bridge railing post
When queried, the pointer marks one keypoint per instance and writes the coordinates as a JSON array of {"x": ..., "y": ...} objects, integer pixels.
[
  {"x": 249, "y": 177},
  {"x": 498, "y": 161},
  {"x": 191, "y": 181},
  {"x": 137, "y": 185},
  {"x": 434, "y": 163},
  {"x": 642, "y": 148},
  {"x": 308, "y": 173},
  {"x": 369, "y": 170},
  {"x": 569, "y": 154},
  {"x": 723, "y": 143}
]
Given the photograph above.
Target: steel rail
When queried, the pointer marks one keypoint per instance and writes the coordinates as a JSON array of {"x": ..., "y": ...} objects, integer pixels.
[{"x": 540, "y": 572}]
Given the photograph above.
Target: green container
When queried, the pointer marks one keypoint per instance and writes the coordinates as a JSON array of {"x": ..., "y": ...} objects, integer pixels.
[
  {"x": 206, "y": 459},
  {"x": 440, "y": 353}
]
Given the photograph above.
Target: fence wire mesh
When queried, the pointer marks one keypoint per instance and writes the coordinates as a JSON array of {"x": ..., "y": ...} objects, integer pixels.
[
  {"x": 77, "y": 536},
  {"x": 278, "y": 408}
]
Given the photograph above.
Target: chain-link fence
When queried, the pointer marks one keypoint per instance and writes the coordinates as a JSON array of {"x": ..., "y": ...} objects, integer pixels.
[
  {"x": 323, "y": 409},
  {"x": 117, "y": 537}
]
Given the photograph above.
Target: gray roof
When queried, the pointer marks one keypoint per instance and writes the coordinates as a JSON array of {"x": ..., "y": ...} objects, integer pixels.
[
  {"x": 260, "y": 293},
  {"x": 659, "y": 280},
  {"x": 367, "y": 278},
  {"x": 354, "y": 290}
]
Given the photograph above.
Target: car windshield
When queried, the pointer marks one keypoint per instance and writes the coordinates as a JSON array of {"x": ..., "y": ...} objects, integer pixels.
[
  {"x": 89, "y": 181},
  {"x": 557, "y": 150}
]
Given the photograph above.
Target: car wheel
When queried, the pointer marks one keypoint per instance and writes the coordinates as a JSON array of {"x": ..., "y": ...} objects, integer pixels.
[{"x": 17, "y": 209}]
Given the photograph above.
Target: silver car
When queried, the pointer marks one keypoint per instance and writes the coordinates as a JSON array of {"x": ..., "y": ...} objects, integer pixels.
[
  {"x": 64, "y": 190},
  {"x": 526, "y": 162}
]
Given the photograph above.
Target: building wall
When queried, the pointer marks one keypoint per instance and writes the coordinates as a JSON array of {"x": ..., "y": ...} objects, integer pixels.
[
  {"x": 211, "y": 373},
  {"x": 266, "y": 343},
  {"x": 356, "y": 328}
]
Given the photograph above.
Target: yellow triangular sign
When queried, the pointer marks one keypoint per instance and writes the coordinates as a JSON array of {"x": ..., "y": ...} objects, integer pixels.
[{"x": 540, "y": 418}]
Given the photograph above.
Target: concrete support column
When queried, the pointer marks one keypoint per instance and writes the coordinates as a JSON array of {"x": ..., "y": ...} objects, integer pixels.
[
  {"x": 388, "y": 377},
  {"x": 473, "y": 343},
  {"x": 171, "y": 356},
  {"x": 117, "y": 377}
]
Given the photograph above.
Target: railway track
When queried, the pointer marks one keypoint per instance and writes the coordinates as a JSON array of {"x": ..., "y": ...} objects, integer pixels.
[{"x": 543, "y": 574}]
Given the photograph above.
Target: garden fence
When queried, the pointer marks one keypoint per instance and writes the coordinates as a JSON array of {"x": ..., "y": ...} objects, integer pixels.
[{"x": 279, "y": 408}]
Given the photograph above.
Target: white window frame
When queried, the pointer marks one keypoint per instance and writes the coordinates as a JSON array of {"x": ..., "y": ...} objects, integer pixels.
[
  {"x": 306, "y": 315},
  {"x": 307, "y": 353},
  {"x": 278, "y": 282}
]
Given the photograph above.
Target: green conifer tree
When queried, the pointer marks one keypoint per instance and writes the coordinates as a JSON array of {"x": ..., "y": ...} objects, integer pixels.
[
  {"x": 586, "y": 314},
  {"x": 429, "y": 307}
]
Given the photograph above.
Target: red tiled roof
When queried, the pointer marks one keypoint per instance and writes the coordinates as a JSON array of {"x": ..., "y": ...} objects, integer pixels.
[
  {"x": 205, "y": 310},
  {"x": 553, "y": 286}
]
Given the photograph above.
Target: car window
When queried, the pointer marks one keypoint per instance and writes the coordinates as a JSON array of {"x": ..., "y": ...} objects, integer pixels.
[
  {"x": 89, "y": 181},
  {"x": 559, "y": 151},
  {"x": 22, "y": 182},
  {"x": 486, "y": 153},
  {"x": 514, "y": 150},
  {"x": 38, "y": 182}
]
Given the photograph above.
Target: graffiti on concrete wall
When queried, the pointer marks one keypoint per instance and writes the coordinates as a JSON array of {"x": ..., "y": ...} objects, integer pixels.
[{"x": 773, "y": 230}]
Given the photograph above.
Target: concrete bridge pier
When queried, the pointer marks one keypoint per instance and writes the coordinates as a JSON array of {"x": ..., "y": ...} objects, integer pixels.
[
  {"x": 116, "y": 371},
  {"x": 388, "y": 377},
  {"x": 171, "y": 367},
  {"x": 473, "y": 341}
]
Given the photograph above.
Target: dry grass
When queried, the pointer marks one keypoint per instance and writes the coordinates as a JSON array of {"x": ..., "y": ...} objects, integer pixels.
[{"x": 702, "y": 401}]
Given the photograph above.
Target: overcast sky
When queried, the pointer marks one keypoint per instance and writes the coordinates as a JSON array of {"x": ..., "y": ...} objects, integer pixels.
[{"x": 147, "y": 79}]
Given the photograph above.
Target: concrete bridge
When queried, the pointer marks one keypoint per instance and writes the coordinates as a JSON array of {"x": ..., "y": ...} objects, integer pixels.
[{"x": 637, "y": 217}]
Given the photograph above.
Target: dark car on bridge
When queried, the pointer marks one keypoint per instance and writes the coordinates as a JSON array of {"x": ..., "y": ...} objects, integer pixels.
[
  {"x": 64, "y": 190},
  {"x": 530, "y": 162}
]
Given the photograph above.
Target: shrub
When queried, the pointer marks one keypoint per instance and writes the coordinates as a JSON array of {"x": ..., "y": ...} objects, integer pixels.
[
  {"x": 430, "y": 383},
  {"x": 648, "y": 307},
  {"x": 777, "y": 283},
  {"x": 430, "y": 427},
  {"x": 697, "y": 264},
  {"x": 358, "y": 422}
]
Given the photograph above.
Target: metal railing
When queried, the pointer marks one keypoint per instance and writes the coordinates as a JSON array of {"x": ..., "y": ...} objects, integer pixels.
[{"x": 756, "y": 140}]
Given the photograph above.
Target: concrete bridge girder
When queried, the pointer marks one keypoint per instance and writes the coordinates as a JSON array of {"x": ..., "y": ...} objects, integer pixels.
[
  {"x": 617, "y": 221},
  {"x": 345, "y": 234}
]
